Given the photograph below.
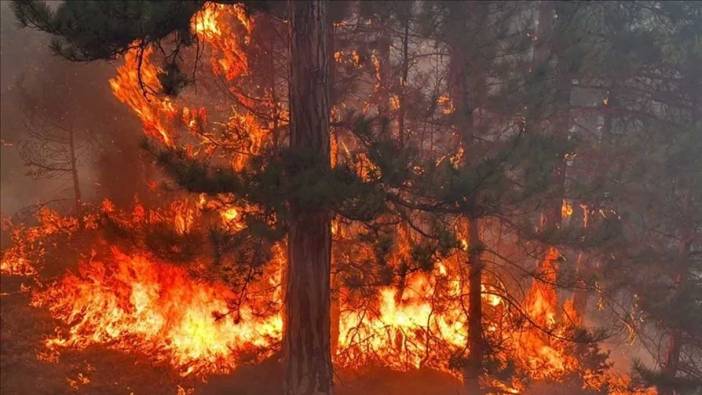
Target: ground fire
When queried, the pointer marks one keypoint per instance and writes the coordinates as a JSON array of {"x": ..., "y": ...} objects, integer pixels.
[{"x": 349, "y": 195}]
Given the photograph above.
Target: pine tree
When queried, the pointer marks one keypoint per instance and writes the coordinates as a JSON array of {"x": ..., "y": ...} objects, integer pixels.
[
  {"x": 104, "y": 30},
  {"x": 656, "y": 128},
  {"x": 306, "y": 343}
]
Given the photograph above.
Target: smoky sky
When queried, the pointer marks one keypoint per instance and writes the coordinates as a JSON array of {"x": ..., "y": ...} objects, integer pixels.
[{"x": 111, "y": 164}]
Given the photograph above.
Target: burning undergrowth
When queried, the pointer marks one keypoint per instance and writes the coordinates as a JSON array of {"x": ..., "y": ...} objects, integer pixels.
[
  {"x": 136, "y": 303},
  {"x": 123, "y": 294},
  {"x": 181, "y": 314},
  {"x": 193, "y": 286}
]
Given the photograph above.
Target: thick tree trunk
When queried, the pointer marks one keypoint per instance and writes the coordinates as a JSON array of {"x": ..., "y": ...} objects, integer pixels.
[{"x": 308, "y": 369}]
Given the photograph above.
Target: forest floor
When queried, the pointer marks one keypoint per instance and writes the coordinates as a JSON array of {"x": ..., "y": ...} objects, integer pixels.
[{"x": 100, "y": 371}]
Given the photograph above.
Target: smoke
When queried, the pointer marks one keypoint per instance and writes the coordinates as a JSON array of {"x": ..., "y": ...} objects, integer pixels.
[
  {"x": 70, "y": 94},
  {"x": 19, "y": 53}
]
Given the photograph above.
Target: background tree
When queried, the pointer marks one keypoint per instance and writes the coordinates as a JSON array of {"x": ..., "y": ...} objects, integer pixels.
[
  {"x": 652, "y": 125},
  {"x": 53, "y": 143}
]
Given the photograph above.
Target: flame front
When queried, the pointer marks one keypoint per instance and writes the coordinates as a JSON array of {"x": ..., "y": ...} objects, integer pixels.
[{"x": 136, "y": 303}]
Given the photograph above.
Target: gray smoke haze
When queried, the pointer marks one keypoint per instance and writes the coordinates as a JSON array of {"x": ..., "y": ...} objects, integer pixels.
[{"x": 111, "y": 164}]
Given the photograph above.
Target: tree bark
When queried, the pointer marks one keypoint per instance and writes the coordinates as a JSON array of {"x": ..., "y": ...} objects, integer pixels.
[{"x": 308, "y": 369}]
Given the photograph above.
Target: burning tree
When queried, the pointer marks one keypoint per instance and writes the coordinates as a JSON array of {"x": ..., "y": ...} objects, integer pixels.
[
  {"x": 304, "y": 163},
  {"x": 307, "y": 293},
  {"x": 446, "y": 173}
]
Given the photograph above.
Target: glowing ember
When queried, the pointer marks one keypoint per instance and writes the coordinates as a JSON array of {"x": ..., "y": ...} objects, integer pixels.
[
  {"x": 230, "y": 214},
  {"x": 566, "y": 209}
]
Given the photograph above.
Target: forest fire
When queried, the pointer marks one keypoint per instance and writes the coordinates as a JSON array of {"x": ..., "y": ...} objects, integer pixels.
[
  {"x": 542, "y": 307},
  {"x": 400, "y": 332},
  {"x": 135, "y": 304},
  {"x": 360, "y": 188}
]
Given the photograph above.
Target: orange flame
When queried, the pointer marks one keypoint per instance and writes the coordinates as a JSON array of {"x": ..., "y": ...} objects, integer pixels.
[
  {"x": 402, "y": 333},
  {"x": 137, "y": 303},
  {"x": 536, "y": 347}
]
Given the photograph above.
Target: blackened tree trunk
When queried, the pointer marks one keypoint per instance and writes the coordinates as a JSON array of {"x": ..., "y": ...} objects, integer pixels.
[
  {"x": 672, "y": 360},
  {"x": 384, "y": 73},
  {"x": 334, "y": 97},
  {"x": 308, "y": 369},
  {"x": 556, "y": 118}
]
